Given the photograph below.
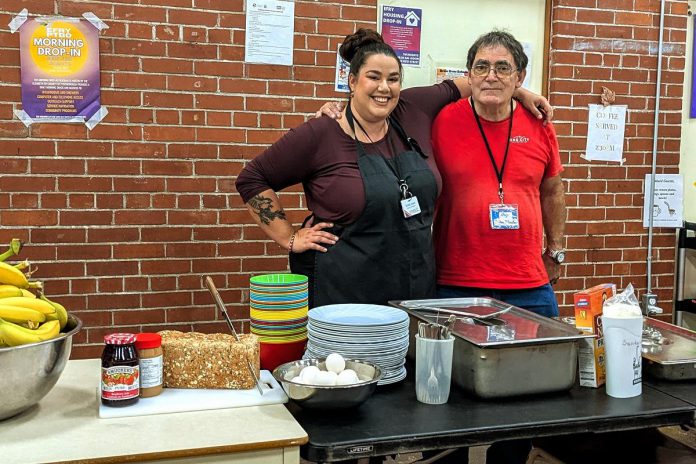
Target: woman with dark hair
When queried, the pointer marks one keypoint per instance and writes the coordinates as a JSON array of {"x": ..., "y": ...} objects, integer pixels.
[{"x": 370, "y": 182}]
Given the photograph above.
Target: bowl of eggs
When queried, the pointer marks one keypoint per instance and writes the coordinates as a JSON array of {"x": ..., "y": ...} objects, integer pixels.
[{"x": 328, "y": 383}]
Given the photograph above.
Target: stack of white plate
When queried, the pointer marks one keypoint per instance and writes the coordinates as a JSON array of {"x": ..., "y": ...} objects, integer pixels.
[{"x": 361, "y": 331}]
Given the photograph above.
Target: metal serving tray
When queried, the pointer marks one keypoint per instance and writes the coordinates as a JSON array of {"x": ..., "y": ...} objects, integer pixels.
[
  {"x": 669, "y": 351},
  {"x": 515, "y": 353}
]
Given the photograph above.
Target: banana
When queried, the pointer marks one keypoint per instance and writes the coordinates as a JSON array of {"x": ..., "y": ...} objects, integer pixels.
[
  {"x": 9, "y": 290},
  {"x": 14, "y": 335},
  {"x": 27, "y": 293},
  {"x": 36, "y": 304},
  {"x": 19, "y": 315},
  {"x": 13, "y": 276},
  {"x": 60, "y": 311},
  {"x": 15, "y": 246}
]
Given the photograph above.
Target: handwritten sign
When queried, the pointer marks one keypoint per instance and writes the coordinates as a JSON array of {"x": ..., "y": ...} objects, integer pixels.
[{"x": 605, "y": 133}]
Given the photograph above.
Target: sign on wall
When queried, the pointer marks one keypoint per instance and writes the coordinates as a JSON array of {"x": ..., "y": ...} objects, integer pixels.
[
  {"x": 668, "y": 205},
  {"x": 270, "y": 26},
  {"x": 605, "y": 133},
  {"x": 59, "y": 65},
  {"x": 401, "y": 28}
]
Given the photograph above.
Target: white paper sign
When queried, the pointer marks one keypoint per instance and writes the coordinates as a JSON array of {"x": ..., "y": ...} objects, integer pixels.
[
  {"x": 442, "y": 73},
  {"x": 605, "y": 133},
  {"x": 270, "y": 26},
  {"x": 342, "y": 71},
  {"x": 668, "y": 207}
]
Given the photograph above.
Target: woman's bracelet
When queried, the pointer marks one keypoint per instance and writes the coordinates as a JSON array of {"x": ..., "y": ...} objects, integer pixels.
[{"x": 292, "y": 241}]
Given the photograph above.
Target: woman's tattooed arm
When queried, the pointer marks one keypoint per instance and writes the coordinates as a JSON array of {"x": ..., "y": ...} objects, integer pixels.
[{"x": 263, "y": 208}]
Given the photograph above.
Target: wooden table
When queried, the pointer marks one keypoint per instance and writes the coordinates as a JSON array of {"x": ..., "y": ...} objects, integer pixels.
[{"x": 64, "y": 427}]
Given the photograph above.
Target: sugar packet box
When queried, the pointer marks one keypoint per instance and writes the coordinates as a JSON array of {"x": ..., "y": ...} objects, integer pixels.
[{"x": 588, "y": 309}]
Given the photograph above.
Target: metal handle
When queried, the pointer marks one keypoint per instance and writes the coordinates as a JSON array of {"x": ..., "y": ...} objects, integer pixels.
[{"x": 221, "y": 306}]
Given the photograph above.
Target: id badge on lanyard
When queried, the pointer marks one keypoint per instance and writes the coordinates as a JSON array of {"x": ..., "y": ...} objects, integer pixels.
[
  {"x": 409, "y": 203},
  {"x": 504, "y": 216}
]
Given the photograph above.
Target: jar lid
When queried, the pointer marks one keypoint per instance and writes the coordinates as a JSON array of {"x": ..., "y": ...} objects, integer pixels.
[
  {"x": 144, "y": 341},
  {"x": 119, "y": 338}
]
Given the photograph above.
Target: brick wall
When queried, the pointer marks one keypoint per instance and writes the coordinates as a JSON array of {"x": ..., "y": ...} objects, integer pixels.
[
  {"x": 613, "y": 43},
  {"x": 123, "y": 221}
]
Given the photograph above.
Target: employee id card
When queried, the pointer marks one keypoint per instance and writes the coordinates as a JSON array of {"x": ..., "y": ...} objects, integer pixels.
[
  {"x": 504, "y": 216},
  {"x": 410, "y": 207}
]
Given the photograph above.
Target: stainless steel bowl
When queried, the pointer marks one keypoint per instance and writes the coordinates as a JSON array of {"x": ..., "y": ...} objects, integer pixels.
[
  {"x": 328, "y": 397},
  {"x": 29, "y": 372}
]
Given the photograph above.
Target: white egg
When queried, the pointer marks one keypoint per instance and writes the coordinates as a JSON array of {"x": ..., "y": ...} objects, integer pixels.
[
  {"x": 297, "y": 379},
  {"x": 335, "y": 363},
  {"x": 325, "y": 378},
  {"x": 347, "y": 377},
  {"x": 308, "y": 373}
]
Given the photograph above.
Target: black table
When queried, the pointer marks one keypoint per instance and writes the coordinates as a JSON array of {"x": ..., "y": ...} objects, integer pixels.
[
  {"x": 393, "y": 421},
  {"x": 684, "y": 390}
]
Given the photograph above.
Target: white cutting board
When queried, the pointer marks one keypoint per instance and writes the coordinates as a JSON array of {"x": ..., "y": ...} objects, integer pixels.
[{"x": 182, "y": 400}]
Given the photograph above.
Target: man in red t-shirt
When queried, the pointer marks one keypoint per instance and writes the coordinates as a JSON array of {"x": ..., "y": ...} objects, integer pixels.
[{"x": 502, "y": 188}]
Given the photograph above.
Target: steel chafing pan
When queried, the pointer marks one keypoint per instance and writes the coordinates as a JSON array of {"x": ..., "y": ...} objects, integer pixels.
[
  {"x": 516, "y": 352},
  {"x": 669, "y": 351}
]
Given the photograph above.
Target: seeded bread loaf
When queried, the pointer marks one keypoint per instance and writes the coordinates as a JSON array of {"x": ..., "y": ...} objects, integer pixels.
[{"x": 196, "y": 360}]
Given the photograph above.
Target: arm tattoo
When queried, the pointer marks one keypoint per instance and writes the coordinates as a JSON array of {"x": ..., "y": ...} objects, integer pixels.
[{"x": 263, "y": 207}]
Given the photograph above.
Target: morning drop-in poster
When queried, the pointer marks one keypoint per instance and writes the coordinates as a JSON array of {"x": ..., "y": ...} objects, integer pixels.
[{"x": 59, "y": 69}]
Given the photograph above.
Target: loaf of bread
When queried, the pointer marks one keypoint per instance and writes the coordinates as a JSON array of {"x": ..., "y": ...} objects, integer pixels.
[{"x": 196, "y": 360}]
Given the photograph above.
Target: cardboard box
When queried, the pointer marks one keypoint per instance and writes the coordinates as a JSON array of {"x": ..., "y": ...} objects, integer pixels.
[
  {"x": 588, "y": 306},
  {"x": 588, "y": 309},
  {"x": 592, "y": 369}
]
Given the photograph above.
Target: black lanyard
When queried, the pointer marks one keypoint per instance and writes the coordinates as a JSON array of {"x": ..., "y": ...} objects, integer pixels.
[
  {"x": 498, "y": 173},
  {"x": 391, "y": 164}
]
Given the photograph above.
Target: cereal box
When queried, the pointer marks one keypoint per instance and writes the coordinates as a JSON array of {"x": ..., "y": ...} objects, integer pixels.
[
  {"x": 588, "y": 306},
  {"x": 588, "y": 309}
]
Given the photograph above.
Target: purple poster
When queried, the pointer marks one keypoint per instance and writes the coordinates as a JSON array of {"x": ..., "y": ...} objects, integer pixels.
[
  {"x": 60, "y": 70},
  {"x": 401, "y": 28}
]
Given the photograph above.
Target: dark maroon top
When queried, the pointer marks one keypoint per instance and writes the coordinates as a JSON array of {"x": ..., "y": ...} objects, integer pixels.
[{"x": 321, "y": 156}]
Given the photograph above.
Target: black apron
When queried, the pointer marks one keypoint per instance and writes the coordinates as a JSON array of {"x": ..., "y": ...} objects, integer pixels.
[{"x": 381, "y": 256}]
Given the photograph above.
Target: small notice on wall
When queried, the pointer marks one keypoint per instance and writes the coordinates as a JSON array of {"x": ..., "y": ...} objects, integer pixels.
[
  {"x": 270, "y": 26},
  {"x": 60, "y": 70},
  {"x": 342, "y": 71},
  {"x": 605, "y": 133},
  {"x": 401, "y": 28},
  {"x": 442, "y": 74},
  {"x": 668, "y": 207}
]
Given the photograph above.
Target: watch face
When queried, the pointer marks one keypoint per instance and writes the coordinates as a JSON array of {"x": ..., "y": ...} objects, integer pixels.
[{"x": 560, "y": 257}]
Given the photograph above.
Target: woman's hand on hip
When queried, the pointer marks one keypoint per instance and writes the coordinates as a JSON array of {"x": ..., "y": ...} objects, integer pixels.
[{"x": 312, "y": 238}]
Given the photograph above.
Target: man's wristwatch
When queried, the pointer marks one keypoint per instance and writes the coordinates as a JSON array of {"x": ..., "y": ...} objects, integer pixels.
[{"x": 558, "y": 256}]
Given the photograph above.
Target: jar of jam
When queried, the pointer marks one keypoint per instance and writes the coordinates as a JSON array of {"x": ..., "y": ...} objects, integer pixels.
[
  {"x": 149, "y": 346},
  {"x": 120, "y": 376}
]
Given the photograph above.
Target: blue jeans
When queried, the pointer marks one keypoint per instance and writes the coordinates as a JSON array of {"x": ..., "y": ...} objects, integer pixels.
[{"x": 540, "y": 300}]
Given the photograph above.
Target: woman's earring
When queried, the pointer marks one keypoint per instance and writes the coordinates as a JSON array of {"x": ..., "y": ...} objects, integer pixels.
[{"x": 352, "y": 93}]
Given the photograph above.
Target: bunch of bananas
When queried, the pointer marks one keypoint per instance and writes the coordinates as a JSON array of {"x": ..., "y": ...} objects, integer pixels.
[{"x": 24, "y": 318}]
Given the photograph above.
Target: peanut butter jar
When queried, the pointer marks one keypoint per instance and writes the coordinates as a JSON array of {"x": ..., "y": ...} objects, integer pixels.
[{"x": 149, "y": 346}]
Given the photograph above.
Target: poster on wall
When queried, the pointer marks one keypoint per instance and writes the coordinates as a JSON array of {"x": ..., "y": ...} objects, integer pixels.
[
  {"x": 342, "y": 71},
  {"x": 401, "y": 28},
  {"x": 270, "y": 27},
  {"x": 59, "y": 67},
  {"x": 605, "y": 133},
  {"x": 668, "y": 200}
]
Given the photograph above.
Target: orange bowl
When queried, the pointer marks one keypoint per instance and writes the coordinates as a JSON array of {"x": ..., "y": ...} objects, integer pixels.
[{"x": 273, "y": 355}]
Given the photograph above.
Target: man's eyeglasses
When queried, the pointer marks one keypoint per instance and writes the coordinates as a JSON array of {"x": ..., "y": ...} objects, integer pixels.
[{"x": 501, "y": 69}]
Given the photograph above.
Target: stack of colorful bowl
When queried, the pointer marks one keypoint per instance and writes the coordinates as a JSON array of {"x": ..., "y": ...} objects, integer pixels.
[{"x": 278, "y": 313}]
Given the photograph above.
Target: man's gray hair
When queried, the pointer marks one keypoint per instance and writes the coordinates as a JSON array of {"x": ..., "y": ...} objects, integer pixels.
[{"x": 504, "y": 39}]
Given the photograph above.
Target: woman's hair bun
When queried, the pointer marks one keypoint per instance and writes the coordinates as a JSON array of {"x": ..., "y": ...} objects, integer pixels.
[{"x": 353, "y": 42}]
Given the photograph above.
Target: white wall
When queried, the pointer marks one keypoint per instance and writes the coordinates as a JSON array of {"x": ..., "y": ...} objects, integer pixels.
[
  {"x": 451, "y": 26},
  {"x": 687, "y": 162}
]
